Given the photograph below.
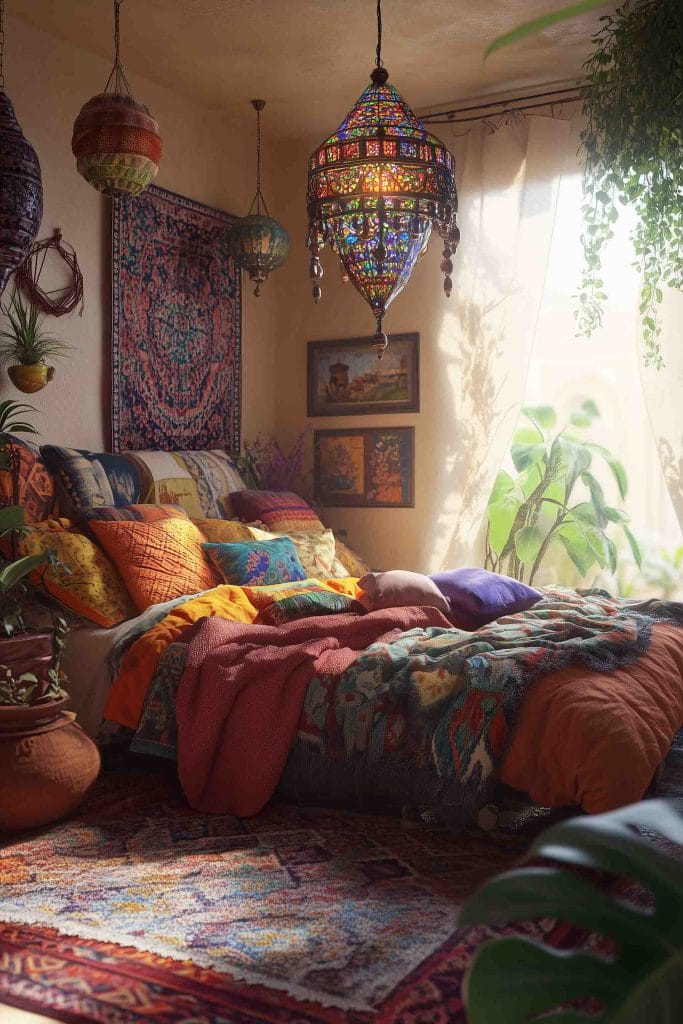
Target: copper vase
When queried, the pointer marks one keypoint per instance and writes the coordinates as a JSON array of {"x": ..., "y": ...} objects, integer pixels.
[{"x": 21, "y": 192}]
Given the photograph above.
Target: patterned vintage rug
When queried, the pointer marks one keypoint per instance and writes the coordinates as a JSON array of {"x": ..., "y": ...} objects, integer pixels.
[{"x": 142, "y": 910}]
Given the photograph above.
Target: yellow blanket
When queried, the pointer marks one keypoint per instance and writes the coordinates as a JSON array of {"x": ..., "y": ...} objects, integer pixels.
[{"x": 237, "y": 604}]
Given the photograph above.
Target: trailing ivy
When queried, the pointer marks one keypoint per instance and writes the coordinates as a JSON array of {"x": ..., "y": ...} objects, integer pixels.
[{"x": 633, "y": 145}]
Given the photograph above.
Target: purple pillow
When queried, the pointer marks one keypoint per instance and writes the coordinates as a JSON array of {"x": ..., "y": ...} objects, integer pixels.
[
  {"x": 478, "y": 596},
  {"x": 400, "y": 588}
]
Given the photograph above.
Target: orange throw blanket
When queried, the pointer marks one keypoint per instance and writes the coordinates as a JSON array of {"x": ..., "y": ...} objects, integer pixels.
[{"x": 240, "y": 698}]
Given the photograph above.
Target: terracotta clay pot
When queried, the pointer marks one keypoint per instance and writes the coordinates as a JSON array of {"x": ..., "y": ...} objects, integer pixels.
[
  {"x": 47, "y": 764},
  {"x": 30, "y": 378}
]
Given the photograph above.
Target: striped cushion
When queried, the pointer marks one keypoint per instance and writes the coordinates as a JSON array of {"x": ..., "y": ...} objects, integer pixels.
[{"x": 281, "y": 511}]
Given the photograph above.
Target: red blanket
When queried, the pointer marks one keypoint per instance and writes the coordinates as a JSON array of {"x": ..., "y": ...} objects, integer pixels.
[{"x": 240, "y": 698}]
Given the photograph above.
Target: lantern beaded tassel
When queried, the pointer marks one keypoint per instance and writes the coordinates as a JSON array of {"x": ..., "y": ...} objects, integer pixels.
[
  {"x": 376, "y": 188},
  {"x": 21, "y": 189},
  {"x": 116, "y": 140},
  {"x": 258, "y": 243}
]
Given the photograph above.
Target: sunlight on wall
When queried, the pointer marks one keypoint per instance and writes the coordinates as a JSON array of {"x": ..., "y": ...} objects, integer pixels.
[{"x": 566, "y": 369}]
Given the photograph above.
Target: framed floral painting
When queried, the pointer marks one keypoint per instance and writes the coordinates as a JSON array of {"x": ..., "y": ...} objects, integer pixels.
[
  {"x": 373, "y": 468},
  {"x": 345, "y": 378}
]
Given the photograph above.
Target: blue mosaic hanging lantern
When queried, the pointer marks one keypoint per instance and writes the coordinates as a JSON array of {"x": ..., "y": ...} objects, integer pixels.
[
  {"x": 376, "y": 188},
  {"x": 258, "y": 243}
]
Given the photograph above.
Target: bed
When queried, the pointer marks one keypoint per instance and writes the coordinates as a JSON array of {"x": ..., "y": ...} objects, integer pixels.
[{"x": 573, "y": 701}]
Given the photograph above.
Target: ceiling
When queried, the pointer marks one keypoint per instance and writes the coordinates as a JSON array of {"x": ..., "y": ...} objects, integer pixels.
[{"x": 310, "y": 59}]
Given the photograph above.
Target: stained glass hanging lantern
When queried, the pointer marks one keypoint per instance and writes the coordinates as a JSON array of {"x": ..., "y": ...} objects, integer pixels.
[
  {"x": 21, "y": 189},
  {"x": 376, "y": 188},
  {"x": 257, "y": 242},
  {"x": 116, "y": 140}
]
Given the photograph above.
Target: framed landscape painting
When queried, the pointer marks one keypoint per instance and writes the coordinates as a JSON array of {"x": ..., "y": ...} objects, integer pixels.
[
  {"x": 373, "y": 468},
  {"x": 345, "y": 378}
]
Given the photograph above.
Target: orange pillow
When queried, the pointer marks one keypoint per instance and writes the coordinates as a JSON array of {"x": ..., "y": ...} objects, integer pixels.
[{"x": 158, "y": 561}]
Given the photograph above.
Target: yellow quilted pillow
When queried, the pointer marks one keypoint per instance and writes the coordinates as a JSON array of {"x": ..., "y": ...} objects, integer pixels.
[
  {"x": 223, "y": 531},
  {"x": 316, "y": 551},
  {"x": 93, "y": 588}
]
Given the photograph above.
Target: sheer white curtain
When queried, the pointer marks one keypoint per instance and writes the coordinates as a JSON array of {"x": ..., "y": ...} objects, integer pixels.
[
  {"x": 509, "y": 183},
  {"x": 663, "y": 391}
]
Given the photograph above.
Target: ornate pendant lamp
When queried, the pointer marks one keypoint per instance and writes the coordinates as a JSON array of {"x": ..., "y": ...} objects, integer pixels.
[
  {"x": 375, "y": 190},
  {"x": 21, "y": 189},
  {"x": 116, "y": 140},
  {"x": 257, "y": 242}
]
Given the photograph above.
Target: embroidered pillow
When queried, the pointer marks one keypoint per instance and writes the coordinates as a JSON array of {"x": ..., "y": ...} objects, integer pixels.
[
  {"x": 92, "y": 587},
  {"x": 158, "y": 561},
  {"x": 280, "y": 511},
  {"x": 200, "y": 482},
  {"x": 84, "y": 479},
  {"x": 400, "y": 588},
  {"x": 223, "y": 531},
  {"x": 480, "y": 596},
  {"x": 303, "y": 606},
  {"x": 316, "y": 551},
  {"x": 27, "y": 482},
  {"x": 257, "y": 562}
]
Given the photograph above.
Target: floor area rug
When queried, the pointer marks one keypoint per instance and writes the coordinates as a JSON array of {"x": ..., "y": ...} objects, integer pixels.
[{"x": 139, "y": 909}]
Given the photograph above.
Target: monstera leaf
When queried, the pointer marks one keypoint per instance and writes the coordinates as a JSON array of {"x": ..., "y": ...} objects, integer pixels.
[{"x": 515, "y": 980}]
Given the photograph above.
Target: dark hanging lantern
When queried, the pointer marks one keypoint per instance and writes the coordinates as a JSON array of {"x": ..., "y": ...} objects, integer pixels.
[
  {"x": 257, "y": 242},
  {"x": 21, "y": 189},
  {"x": 376, "y": 188},
  {"x": 116, "y": 140}
]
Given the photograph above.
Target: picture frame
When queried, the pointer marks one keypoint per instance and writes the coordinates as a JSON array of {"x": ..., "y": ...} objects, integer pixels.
[
  {"x": 345, "y": 377},
  {"x": 365, "y": 467}
]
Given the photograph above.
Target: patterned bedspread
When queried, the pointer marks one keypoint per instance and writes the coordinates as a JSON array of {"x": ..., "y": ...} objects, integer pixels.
[{"x": 423, "y": 720}]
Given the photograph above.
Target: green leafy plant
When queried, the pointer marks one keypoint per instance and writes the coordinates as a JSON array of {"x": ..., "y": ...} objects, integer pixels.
[
  {"x": 515, "y": 980},
  {"x": 531, "y": 512},
  {"x": 14, "y": 573},
  {"x": 23, "y": 339},
  {"x": 529, "y": 28},
  {"x": 633, "y": 102}
]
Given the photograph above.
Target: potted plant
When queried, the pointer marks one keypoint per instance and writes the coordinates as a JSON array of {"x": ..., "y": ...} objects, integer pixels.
[
  {"x": 25, "y": 347},
  {"x": 635, "y": 976},
  {"x": 46, "y": 761},
  {"x": 539, "y": 508}
]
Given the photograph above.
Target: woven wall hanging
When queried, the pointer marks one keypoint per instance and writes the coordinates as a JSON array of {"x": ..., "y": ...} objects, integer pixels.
[{"x": 57, "y": 301}]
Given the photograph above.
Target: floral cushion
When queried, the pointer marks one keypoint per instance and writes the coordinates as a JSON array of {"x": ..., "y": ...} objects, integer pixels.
[
  {"x": 256, "y": 562},
  {"x": 86, "y": 581},
  {"x": 158, "y": 561},
  {"x": 280, "y": 511},
  {"x": 303, "y": 606},
  {"x": 316, "y": 551}
]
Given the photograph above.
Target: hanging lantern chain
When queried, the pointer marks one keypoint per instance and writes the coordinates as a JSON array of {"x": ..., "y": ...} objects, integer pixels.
[
  {"x": 2, "y": 45},
  {"x": 378, "y": 59},
  {"x": 121, "y": 85},
  {"x": 259, "y": 198}
]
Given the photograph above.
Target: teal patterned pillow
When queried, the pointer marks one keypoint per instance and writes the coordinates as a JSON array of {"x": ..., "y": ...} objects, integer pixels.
[
  {"x": 257, "y": 563},
  {"x": 303, "y": 606}
]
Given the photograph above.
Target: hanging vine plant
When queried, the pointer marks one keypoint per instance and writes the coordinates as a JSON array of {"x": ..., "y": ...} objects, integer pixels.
[{"x": 633, "y": 146}]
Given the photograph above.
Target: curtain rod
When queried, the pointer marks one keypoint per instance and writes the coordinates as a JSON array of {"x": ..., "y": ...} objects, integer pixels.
[{"x": 528, "y": 102}]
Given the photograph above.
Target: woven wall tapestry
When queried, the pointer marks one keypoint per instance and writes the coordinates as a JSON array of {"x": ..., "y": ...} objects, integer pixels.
[{"x": 176, "y": 332}]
